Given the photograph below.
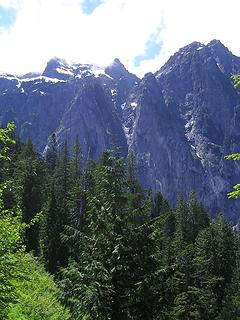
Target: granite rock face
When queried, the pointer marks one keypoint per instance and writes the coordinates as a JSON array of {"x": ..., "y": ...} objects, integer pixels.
[
  {"x": 69, "y": 100},
  {"x": 180, "y": 140},
  {"x": 36, "y": 105},
  {"x": 90, "y": 116},
  {"x": 180, "y": 122}
]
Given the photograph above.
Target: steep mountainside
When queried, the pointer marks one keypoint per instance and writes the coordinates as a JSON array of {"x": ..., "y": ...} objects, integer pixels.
[
  {"x": 183, "y": 147},
  {"x": 180, "y": 121}
]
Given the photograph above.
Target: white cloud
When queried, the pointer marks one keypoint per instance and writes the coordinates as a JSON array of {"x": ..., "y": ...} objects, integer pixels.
[
  {"x": 117, "y": 28},
  {"x": 10, "y": 4}
]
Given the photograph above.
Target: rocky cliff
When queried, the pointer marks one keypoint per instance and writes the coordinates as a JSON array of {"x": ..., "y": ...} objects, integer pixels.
[
  {"x": 180, "y": 140},
  {"x": 179, "y": 122}
]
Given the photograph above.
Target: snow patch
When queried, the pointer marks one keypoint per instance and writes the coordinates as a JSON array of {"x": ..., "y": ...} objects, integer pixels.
[
  {"x": 198, "y": 155},
  {"x": 123, "y": 105},
  {"x": 65, "y": 71},
  {"x": 189, "y": 124},
  {"x": 220, "y": 67},
  {"x": 133, "y": 105},
  {"x": 42, "y": 79},
  {"x": 7, "y": 76},
  {"x": 98, "y": 71}
]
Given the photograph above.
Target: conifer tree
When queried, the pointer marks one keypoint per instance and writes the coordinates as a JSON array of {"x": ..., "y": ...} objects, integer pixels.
[
  {"x": 159, "y": 205},
  {"x": 198, "y": 217},
  {"x": 95, "y": 293},
  {"x": 29, "y": 182},
  {"x": 52, "y": 229},
  {"x": 215, "y": 259},
  {"x": 135, "y": 193},
  {"x": 116, "y": 244},
  {"x": 52, "y": 153},
  {"x": 182, "y": 234},
  {"x": 141, "y": 261},
  {"x": 57, "y": 209},
  {"x": 77, "y": 197}
]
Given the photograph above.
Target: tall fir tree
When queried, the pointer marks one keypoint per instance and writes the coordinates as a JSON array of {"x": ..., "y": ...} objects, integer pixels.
[
  {"x": 29, "y": 186},
  {"x": 77, "y": 196},
  {"x": 57, "y": 208}
]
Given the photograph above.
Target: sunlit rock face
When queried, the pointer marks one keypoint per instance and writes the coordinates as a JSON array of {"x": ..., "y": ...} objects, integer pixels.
[
  {"x": 180, "y": 122},
  {"x": 69, "y": 100},
  {"x": 180, "y": 141}
]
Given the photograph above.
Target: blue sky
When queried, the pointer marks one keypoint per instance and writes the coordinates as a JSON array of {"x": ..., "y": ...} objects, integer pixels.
[
  {"x": 88, "y": 6},
  {"x": 141, "y": 33},
  {"x": 152, "y": 50},
  {"x": 7, "y": 17}
]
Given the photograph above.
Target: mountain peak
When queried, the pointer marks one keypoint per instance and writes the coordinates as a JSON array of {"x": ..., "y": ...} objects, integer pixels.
[
  {"x": 179, "y": 122},
  {"x": 191, "y": 47},
  {"x": 182, "y": 57},
  {"x": 56, "y": 62},
  {"x": 216, "y": 42},
  {"x": 116, "y": 70},
  {"x": 226, "y": 61},
  {"x": 53, "y": 67},
  {"x": 217, "y": 47},
  {"x": 116, "y": 61}
]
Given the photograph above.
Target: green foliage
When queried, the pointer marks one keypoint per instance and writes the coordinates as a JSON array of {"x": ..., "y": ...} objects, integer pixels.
[
  {"x": 109, "y": 278},
  {"x": 6, "y": 141},
  {"x": 236, "y": 193},
  {"x": 10, "y": 236},
  {"x": 216, "y": 258},
  {"x": 137, "y": 258},
  {"x": 57, "y": 215},
  {"x": 52, "y": 153},
  {"x": 28, "y": 185},
  {"x": 87, "y": 291},
  {"x": 116, "y": 251},
  {"x": 236, "y": 156},
  {"x": 10, "y": 229},
  {"x": 26, "y": 290},
  {"x": 51, "y": 234},
  {"x": 36, "y": 293},
  {"x": 236, "y": 79}
]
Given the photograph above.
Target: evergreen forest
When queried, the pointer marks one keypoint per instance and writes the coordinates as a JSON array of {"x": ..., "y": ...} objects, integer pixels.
[{"x": 88, "y": 242}]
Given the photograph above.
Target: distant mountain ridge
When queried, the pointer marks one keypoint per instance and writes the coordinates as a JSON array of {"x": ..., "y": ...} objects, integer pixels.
[{"x": 179, "y": 122}]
